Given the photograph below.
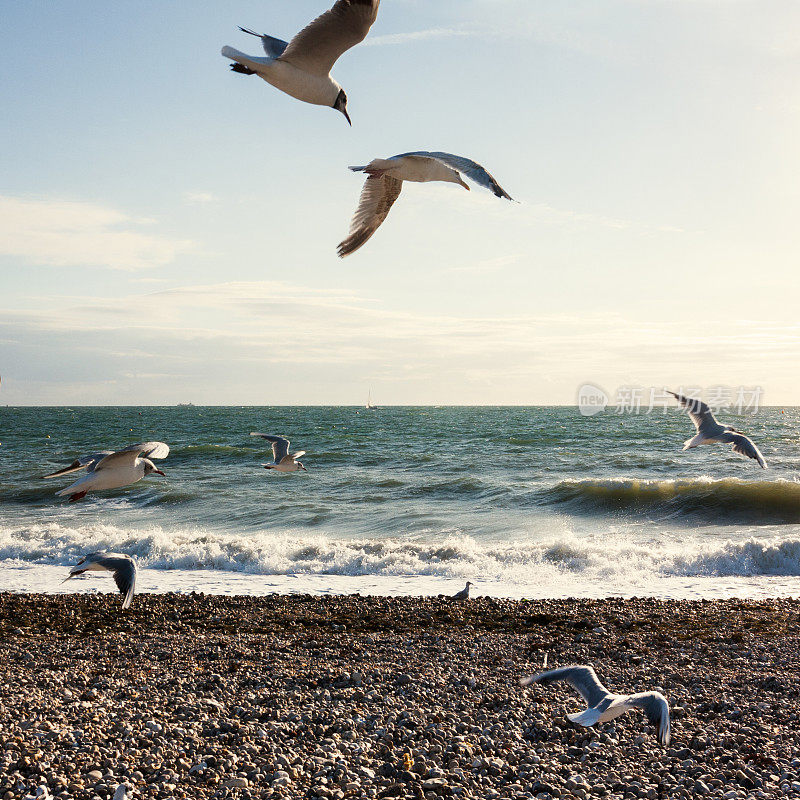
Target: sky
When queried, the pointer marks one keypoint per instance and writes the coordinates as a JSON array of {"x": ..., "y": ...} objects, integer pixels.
[{"x": 168, "y": 229}]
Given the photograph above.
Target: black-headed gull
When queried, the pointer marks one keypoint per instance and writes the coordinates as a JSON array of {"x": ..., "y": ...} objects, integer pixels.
[
  {"x": 385, "y": 178},
  {"x": 709, "y": 431},
  {"x": 282, "y": 461},
  {"x": 123, "y": 568},
  {"x": 301, "y": 68},
  {"x": 602, "y": 704},
  {"x": 112, "y": 470}
]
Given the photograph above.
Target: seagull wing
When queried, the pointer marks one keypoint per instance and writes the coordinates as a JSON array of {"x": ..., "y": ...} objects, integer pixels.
[
  {"x": 280, "y": 446},
  {"x": 656, "y": 708},
  {"x": 272, "y": 47},
  {"x": 124, "y": 569},
  {"x": 128, "y": 455},
  {"x": 466, "y": 166},
  {"x": 700, "y": 414},
  {"x": 744, "y": 446},
  {"x": 316, "y": 48},
  {"x": 377, "y": 199},
  {"x": 84, "y": 462},
  {"x": 582, "y": 678}
]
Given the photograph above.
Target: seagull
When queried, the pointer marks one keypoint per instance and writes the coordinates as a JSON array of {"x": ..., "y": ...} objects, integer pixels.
[
  {"x": 385, "y": 178},
  {"x": 604, "y": 705},
  {"x": 111, "y": 470},
  {"x": 463, "y": 594},
  {"x": 301, "y": 68},
  {"x": 123, "y": 567},
  {"x": 283, "y": 462},
  {"x": 709, "y": 431}
]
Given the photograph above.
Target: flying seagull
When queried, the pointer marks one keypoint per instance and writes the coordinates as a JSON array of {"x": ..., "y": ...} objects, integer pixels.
[
  {"x": 709, "y": 431},
  {"x": 111, "y": 470},
  {"x": 463, "y": 594},
  {"x": 604, "y": 706},
  {"x": 123, "y": 567},
  {"x": 282, "y": 461},
  {"x": 301, "y": 68},
  {"x": 385, "y": 178}
]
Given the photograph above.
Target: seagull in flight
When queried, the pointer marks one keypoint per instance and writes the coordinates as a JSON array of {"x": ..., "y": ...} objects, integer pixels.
[
  {"x": 282, "y": 461},
  {"x": 111, "y": 470},
  {"x": 709, "y": 431},
  {"x": 123, "y": 568},
  {"x": 301, "y": 68},
  {"x": 604, "y": 705},
  {"x": 385, "y": 178}
]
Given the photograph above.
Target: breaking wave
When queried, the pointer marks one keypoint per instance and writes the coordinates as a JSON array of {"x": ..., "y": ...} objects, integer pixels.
[
  {"x": 729, "y": 500},
  {"x": 448, "y": 554}
]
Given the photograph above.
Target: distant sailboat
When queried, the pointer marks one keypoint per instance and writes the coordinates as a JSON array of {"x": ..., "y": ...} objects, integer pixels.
[{"x": 369, "y": 405}]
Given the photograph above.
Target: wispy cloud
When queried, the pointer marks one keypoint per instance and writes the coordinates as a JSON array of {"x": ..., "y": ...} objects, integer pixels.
[
  {"x": 321, "y": 342},
  {"x": 415, "y": 36},
  {"x": 63, "y": 233},
  {"x": 199, "y": 198}
]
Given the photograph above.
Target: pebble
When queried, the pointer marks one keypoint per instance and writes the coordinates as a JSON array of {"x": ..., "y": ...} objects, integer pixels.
[{"x": 237, "y": 698}]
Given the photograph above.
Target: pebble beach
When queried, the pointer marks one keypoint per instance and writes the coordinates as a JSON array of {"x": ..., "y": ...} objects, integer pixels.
[{"x": 197, "y": 696}]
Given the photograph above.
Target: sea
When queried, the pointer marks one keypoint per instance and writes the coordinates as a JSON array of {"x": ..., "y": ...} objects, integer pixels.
[{"x": 524, "y": 502}]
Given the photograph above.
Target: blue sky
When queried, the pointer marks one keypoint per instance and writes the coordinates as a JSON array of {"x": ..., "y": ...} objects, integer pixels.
[{"x": 168, "y": 228}]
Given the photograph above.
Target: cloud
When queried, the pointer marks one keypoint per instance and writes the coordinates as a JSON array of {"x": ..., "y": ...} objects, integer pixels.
[
  {"x": 63, "y": 233},
  {"x": 244, "y": 342},
  {"x": 415, "y": 36},
  {"x": 199, "y": 198}
]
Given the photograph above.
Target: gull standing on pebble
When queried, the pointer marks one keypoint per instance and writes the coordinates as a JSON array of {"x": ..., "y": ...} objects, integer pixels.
[
  {"x": 123, "y": 568},
  {"x": 385, "y": 178},
  {"x": 301, "y": 68},
  {"x": 112, "y": 470},
  {"x": 602, "y": 704},
  {"x": 709, "y": 431},
  {"x": 463, "y": 594},
  {"x": 282, "y": 461}
]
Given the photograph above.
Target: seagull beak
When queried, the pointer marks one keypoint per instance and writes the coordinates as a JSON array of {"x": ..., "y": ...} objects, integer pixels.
[
  {"x": 465, "y": 186},
  {"x": 347, "y": 116},
  {"x": 159, "y": 472}
]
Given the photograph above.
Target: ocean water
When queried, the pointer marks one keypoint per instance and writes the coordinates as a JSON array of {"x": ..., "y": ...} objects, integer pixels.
[{"x": 524, "y": 502}]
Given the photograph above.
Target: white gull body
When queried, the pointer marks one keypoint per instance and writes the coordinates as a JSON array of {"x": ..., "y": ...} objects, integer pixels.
[
  {"x": 384, "y": 182},
  {"x": 709, "y": 431},
  {"x": 282, "y": 460},
  {"x": 301, "y": 68},
  {"x": 121, "y": 566},
  {"x": 112, "y": 470},
  {"x": 603, "y": 705}
]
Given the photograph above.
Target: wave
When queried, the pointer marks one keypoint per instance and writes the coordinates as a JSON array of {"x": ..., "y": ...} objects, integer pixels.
[
  {"x": 450, "y": 554},
  {"x": 730, "y": 500}
]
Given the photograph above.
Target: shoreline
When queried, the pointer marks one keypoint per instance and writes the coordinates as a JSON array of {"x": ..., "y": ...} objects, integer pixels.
[
  {"x": 201, "y": 696},
  {"x": 30, "y": 578}
]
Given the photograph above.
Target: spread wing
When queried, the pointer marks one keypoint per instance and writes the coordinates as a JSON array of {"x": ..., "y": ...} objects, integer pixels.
[
  {"x": 377, "y": 198},
  {"x": 744, "y": 446},
  {"x": 272, "y": 47},
  {"x": 472, "y": 169},
  {"x": 316, "y": 48},
  {"x": 582, "y": 678},
  {"x": 700, "y": 414},
  {"x": 128, "y": 455},
  {"x": 125, "y": 578},
  {"x": 656, "y": 708},
  {"x": 88, "y": 463},
  {"x": 280, "y": 446}
]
